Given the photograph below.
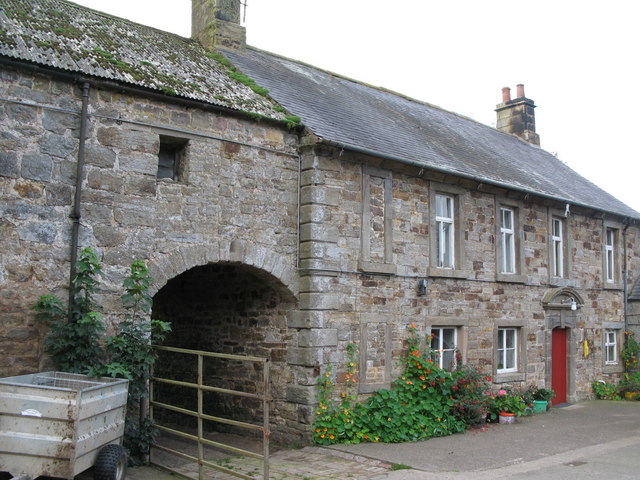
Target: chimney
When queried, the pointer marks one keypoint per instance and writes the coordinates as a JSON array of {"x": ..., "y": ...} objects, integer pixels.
[
  {"x": 216, "y": 24},
  {"x": 516, "y": 116}
]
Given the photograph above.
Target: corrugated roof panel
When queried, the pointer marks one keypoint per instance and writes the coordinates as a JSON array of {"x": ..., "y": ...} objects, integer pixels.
[{"x": 59, "y": 34}]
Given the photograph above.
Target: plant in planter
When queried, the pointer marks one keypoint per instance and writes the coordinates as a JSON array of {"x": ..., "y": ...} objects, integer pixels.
[
  {"x": 629, "y": 386},
  {"x": 507, "y": 405},
  {"x": 540, "y": 397}
]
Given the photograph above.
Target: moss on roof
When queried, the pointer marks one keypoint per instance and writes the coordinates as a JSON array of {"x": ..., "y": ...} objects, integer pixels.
[{"x": 66, "y": 36}]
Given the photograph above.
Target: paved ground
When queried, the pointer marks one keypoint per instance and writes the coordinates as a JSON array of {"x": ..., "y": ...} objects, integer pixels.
[{"x": 590, "y": 440}]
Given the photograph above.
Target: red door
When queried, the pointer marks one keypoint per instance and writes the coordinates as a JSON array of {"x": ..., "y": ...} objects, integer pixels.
[{"x": 559, "y": 365}]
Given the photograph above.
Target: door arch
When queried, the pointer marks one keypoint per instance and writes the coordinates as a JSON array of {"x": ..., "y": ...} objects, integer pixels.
[{"x": 562, "y": 306}]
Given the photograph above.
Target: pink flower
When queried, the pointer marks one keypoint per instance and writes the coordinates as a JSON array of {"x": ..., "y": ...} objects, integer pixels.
[{"x": 502, "y": 392}]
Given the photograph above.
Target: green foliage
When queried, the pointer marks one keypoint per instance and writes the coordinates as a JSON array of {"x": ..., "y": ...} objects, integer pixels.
[
  {"x": 292, "y": 121},
  {"x": 73, "y": 338},
  {"x": 630, "y": 353},
  {"x": 139, "y": 434},
  {"x": 606, "y": 391},
  {"x": 418, "y": 406},
  {"x": 471, "y": 394},
  {"x": 506, "y": 400},
  {"x": 630, "y": 383},
  {"x": 74, "y": 341},
  {"x": 538, "y": 393},
  {"x": 132, "y": 356},
  {"x": 399, "y": 466}
]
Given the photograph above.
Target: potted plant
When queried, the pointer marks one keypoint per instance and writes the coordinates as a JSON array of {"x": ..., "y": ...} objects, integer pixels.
[
  {"x": 629, "y": 386},
  {"x": 541, "y": 397},
  {"x": 507, "y": 406}
]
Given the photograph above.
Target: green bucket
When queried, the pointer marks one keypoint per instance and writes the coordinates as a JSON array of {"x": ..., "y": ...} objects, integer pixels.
[{"x": 539, "y": 406}]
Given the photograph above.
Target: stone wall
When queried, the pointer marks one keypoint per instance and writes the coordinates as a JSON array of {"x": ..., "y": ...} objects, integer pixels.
[
  {"x": 373, "y": 310},
  {"x": 221, "y": 243},
  {"x": 235, "y": 201}
]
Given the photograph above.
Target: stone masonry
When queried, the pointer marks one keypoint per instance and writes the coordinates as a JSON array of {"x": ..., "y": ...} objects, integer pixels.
[{"x": 270, "y": 243}]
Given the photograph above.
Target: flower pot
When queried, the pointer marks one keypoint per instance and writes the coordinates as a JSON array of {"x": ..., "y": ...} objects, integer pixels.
[
  {"x": 631, "y": 395},
  {"x": 504, "y": 417},
  {"x": 539, "y": 406}
]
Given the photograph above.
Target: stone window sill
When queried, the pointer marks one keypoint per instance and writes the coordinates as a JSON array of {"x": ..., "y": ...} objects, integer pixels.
[
  {"x": 508, "y": 377},
  {"x": 379, "y": 268},
  {"x": 447, "y": 273},
  {"x": 511, "y": 278}
]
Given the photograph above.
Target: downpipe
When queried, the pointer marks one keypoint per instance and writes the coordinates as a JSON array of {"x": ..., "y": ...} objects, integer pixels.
[{"x": 76, "y": 213}]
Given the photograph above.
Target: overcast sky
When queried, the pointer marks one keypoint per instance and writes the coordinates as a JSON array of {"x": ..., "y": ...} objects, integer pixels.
[{"x": 578, "y": 60}]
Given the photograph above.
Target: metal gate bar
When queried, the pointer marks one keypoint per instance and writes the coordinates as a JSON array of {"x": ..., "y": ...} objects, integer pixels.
[{"x": 200, "y": 415}]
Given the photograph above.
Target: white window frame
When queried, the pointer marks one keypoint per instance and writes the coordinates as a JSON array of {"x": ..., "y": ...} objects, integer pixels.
[
  {"x": 503, "y": 350},
  {"x": 437, "y": 333},
  {"x": 508, "y": 242},
  {"x": 611, "y": 346},
  {"x": 609, "y": 251},
  {"x": 557, "y": 239},
  {"x": 445, "y": 247}
]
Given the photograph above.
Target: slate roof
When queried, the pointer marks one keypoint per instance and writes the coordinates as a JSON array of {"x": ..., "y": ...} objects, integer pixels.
[
  {"x": 368, "y": 119},
  {"x": 75, "y": 39},
  {"x": 65, "y": 36}
]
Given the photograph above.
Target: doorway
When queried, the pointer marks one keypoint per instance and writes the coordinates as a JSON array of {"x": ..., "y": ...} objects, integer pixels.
[{"x": 559, "y": 365}]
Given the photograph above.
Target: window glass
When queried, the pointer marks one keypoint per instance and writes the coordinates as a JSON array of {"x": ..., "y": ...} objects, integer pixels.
[
  {"x": 609, "y": 254},
  {"x": 444, "y": 344},
  {"x": 610, "y": 347},
  {"x": 507, "y": 240},
  {"x": 445, "y": 231},
  {"x": 507, "y": 350},
  {"x": 558, "y": 246}
]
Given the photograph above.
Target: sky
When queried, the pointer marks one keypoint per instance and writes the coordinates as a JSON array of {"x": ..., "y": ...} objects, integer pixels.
[{"x": 577, "y": 59}]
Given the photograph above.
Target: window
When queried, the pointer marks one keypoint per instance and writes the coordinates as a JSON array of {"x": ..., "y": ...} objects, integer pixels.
[
  {"x": 507, "y": 349},
  {"x": 507, "y": 241},
  {"x": 170, "y": 157},
  {"x": 557, "y": 245},
  {"x": 610, "y": 346},
  {"x": 609, "y": 252},
  {"x": 444, "y": 344},
  {"x": 445, "y": 231}
]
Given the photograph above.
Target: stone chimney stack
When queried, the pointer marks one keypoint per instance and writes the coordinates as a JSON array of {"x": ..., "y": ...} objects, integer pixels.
[
  {"x": 517, "y": 116},
  {"x": 216, "y": 24}
]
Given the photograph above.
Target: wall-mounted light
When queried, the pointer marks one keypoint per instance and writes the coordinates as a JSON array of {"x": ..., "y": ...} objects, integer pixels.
[
  {"x": 572, "y": 303},
  {"x": 423, "y": 283}
]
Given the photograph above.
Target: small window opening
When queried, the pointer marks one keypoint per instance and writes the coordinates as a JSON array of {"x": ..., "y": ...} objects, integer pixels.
[{"x": 171, "y": 157}]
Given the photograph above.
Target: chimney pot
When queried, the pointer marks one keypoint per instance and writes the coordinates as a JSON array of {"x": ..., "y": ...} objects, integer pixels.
[
  {"x": 506, "y": 94},
  {"x": 516, "y": 116}
]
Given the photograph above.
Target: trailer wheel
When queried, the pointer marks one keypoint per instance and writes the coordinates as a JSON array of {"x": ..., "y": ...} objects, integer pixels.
[{"x": 111, "y": 464}]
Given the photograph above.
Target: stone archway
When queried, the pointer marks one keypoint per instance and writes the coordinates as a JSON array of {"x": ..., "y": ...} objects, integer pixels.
[
  {"x": 231, "y": 308},
  {"x": 561, "y": 306}
]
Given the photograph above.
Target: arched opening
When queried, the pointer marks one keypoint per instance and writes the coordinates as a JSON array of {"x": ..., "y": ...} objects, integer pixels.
[
  {"x": 562, "y": 307},
  {"x": 228, "y": 308}
]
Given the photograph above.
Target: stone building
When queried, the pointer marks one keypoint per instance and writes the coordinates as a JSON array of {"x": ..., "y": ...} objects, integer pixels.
[{"x": 292, "y": 223}]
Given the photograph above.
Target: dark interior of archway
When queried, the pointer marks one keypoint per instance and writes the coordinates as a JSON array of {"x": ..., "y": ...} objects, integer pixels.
[{"x": 222, "y": 308}]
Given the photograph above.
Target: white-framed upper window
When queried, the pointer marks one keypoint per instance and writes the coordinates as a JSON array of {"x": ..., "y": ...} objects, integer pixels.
[
  {"x": 557, "y": 239},
  {"x": 444, "y": 344},
  {"x": 507, "y": 241},
  {"x": 610, "y": 346},
  {"x": 609, "y": 251},
  {"x": 445, "y": 240},
  {"x": 507, "y": 350}
]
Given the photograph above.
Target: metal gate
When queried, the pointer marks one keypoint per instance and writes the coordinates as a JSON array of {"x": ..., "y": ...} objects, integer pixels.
[{"x": 200, "y": 416}]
